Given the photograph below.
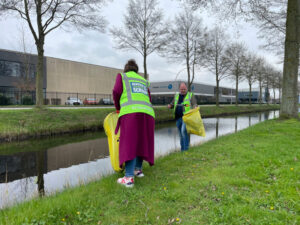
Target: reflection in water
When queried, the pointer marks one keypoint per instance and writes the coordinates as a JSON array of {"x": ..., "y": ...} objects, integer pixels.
[
  {"x": 259, "y": 117},
  {"x": 217, "y": 127},
  {"x": 25, "y": 174},
  {"x": 40, "y": 172},
  {"x": 235, "y": 124}
]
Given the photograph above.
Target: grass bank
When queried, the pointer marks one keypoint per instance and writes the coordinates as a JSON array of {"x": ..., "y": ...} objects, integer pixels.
[
  {"x": 251, "y": 177},
  {"x": 33, "y": 123}
]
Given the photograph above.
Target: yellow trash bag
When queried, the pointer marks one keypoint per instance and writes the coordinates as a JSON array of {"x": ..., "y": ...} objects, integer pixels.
[
  {"x": 193, "y": 122},
  {"x": 110, "y": 124}
]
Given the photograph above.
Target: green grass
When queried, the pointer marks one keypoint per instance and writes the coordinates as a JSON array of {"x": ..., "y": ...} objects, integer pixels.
[
  {"x": 251, "y": 177},
  {"x": 22, "y": 124}
]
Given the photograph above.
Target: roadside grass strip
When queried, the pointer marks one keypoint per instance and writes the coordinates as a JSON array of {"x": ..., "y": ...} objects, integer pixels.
[{"x": 34, "y": 123}]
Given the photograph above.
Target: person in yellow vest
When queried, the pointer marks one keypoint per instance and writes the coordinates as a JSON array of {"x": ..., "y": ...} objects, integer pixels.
[
  {"x": 136, "y": 121},
  {"x": 182, "y": 103}
]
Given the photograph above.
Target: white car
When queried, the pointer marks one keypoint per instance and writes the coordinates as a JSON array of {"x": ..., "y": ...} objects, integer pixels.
[
  {"x": 107, "y": 101},
  {"x": 73, "y": 101}
]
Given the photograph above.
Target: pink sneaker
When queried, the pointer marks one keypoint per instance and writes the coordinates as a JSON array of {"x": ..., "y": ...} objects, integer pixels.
[
  {"x": 139, "y": 173},
  {"x": 126, "y": 181}
]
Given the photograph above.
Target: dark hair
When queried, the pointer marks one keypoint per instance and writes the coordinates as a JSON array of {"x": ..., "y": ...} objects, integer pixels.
[{"x": 131, "y": 66}]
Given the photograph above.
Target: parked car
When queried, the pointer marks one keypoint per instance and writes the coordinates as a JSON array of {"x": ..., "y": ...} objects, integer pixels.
[
  {"x": 73, "y": 101},
  {"x": 106, "y": 101},
  {"x": 89, "y": 101}
]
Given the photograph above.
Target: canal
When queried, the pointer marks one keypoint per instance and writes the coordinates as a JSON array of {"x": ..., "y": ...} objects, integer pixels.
[{"x": 32, "y": 168}]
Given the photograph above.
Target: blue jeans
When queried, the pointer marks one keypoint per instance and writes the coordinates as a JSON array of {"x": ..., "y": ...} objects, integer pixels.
[
  {"x": 131, "y": 165},
  {"x": 184, "y": 137}
]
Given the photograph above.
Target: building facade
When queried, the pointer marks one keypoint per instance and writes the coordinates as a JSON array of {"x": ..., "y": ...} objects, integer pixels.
[
  {"x": 163, "y": 92},
  {"x": 244, "y": 95},
  {"x": 62, "y": 79}
]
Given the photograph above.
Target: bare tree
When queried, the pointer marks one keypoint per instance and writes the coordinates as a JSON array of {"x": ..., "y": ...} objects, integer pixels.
[
  {"x": 235, "y": 54},
  {"x": 215, "y": 60},
  {"x": 275, "y": 83},
  {"x": 26, "y": 82},
  {"x": 186, "y": 42},
  {"x": 144, "y": 30},
  {"x": 279, "y": 17},
  {"x": 279, "y": 86},
  {"x": 49, "y": 15},
  {"x": 260, "y": 75},
  {"x": 250, "y": 69},
  {"x": 269, "y": 78}
]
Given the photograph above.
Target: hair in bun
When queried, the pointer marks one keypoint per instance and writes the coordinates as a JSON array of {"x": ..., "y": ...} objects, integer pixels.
[{"x": 131, "y": 66}]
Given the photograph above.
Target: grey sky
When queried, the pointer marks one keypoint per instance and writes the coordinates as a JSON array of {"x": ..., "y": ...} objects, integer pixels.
[{"x": 96, "y": 48}]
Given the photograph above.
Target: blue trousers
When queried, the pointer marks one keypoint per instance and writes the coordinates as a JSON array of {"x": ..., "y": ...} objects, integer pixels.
[
  {"x": 131, "y": 165},
  {"x": 184, "y": 137}
]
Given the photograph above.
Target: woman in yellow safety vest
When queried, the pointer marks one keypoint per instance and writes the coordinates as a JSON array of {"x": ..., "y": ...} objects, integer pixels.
[{"x": 136, "y": 121}]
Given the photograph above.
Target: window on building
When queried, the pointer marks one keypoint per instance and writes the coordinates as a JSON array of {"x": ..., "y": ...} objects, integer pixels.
[
  {"x": 32, "y": 71},
  {"x": 28, "y": 71},
  {"x": 13, "y": 69},
  {"x": 2, "y": 68},
  {"x": 8, "y": 68},
  {"x": 17, "y": 69}
]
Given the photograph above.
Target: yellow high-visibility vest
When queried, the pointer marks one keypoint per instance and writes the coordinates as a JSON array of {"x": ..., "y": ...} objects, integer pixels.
[{"x": 135, "y": 96}]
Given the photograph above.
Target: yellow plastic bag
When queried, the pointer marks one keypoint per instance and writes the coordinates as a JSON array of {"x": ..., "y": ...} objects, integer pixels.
[
  {"x": 110, "y": 124},
  {"x": 193, "y": 122}
]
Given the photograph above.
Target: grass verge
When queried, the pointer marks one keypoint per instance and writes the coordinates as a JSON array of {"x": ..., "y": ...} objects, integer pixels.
[
  {"x": 251, "y": 177},
  {"x": 34, "y": 123}
]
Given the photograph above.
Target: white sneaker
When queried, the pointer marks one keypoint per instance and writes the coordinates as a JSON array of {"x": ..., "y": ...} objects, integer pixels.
[
  {"x": 138, "y": 173},
  {"x": 126, "y": 181}
]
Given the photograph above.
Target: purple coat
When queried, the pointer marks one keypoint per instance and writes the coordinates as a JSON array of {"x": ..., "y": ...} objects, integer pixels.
[{"x": 137, "y": 131}]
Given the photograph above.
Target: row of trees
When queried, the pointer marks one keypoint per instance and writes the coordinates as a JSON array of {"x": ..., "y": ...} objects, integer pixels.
[
  {"x": 187, "y": 42},
  {"x": 278, "y": 21},
  {"x": 234, "y": 61},
  {"x": 183, "y": 40}
]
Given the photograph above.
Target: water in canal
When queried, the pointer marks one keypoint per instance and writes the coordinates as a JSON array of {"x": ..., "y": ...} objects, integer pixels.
[{"x": 32, "y": 168}]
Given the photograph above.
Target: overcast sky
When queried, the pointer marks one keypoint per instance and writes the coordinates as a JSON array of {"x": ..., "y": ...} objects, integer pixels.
[{"x": 96, "y": 48}]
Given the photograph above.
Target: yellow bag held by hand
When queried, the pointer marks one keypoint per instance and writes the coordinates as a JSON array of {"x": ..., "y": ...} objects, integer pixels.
[
  {"x": 110, "y": 124},
  {"x": 193, "y": 122}
]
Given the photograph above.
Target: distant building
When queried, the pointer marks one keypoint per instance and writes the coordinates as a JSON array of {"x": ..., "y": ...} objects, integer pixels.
[
  {"x": 163, "y": 92},
  {"x": 62, "y": 78},
  {"x": 244, "y": 95}
]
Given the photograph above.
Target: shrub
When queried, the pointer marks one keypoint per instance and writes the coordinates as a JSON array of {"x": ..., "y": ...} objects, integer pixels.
[
  {"x": 27, "y": 100},
  {"x": 4, "y": 100}
]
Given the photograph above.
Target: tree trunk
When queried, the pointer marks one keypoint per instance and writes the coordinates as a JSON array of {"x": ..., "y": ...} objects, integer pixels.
[
  {"x": 289, "y": 106},
  {"x": 40, "y": 41},
  {"x": 40, "y": 75},
  {"x": 274, "y": 96},
  {"x": 188, "y": 63},
  {"x": 250, "y": 94},
  {"x": 217, "y": 91},
  {"x": 236, "y": 90},
  {"x": 260, "y": 92},
  {"x": 145, "y": 67},
  {"x": 279, "y": 89},
  {"x": 189, "y": 75},
  {"x": 268, "y": 95}
]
